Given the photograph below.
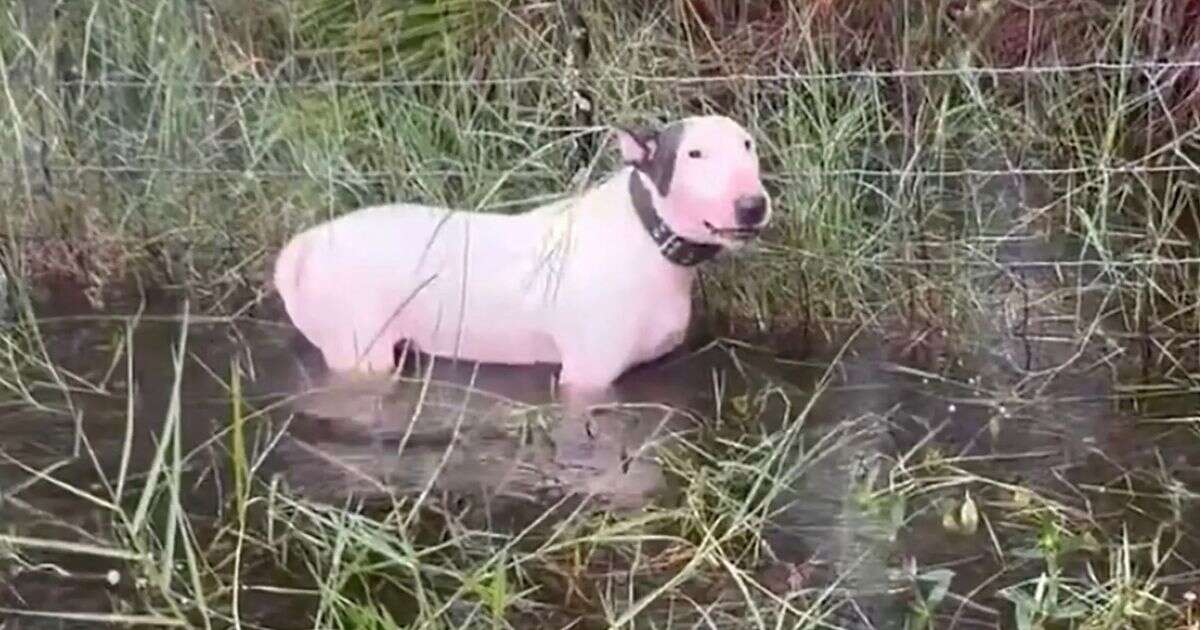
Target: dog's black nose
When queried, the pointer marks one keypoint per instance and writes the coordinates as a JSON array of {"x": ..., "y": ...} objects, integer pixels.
[{"x": 750, "y": 210}]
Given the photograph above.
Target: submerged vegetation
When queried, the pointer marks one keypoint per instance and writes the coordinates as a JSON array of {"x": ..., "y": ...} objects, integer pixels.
[{"x": 1000, "y": 199}]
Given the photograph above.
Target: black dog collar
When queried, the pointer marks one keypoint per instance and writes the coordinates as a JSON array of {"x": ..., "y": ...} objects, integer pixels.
[{"x": 672, "y": 246}]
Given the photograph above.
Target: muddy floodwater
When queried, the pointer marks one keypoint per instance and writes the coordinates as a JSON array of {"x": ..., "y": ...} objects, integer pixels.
[{"x": 1073, "y": 424}]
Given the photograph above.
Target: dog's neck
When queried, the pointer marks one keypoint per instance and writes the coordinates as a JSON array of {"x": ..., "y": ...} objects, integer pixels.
[{"x": 673, "y": 247}]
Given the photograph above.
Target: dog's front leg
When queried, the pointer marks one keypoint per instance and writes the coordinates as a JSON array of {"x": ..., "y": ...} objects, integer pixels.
[
  {"x": 578, "y": 400},
  {"x": 579, "y": 432},
  {"x": 584, "y": 385},
  {"x": 594, "y": 352}
]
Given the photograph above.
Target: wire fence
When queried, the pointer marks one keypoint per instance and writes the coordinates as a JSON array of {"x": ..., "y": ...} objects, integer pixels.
[
  {"x": 1178, "y": 162},
  {"x": 201, "y": 43},
  {"x": 939, "y": 237},
  {"x": 1168, "y": 158}
]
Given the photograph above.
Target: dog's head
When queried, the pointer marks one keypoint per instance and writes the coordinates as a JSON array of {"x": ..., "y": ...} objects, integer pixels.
[{"x": 704, "y": 175}]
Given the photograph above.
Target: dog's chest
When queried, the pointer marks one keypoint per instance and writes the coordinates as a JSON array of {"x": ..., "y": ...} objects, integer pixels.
[{"x": 664, "y": 326}]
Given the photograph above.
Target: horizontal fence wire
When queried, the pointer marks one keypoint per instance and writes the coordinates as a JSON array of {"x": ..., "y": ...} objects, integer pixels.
[
  {"x": 991, "y": 266},
  {"x": 786, "y": 176},
  {"x": 843, "y": 75},
  {"x": 1133, "y": 168},
  {"x": 1142, "y": 166}
]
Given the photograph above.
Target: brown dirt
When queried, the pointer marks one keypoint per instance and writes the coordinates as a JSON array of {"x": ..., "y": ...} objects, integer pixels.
[
  {"x": 766, "y": 36},
  {"x": 78, "y": 251}
]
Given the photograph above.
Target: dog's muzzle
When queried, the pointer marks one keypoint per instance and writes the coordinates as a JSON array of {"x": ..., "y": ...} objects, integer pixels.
[{"x": 750, "y": 215}]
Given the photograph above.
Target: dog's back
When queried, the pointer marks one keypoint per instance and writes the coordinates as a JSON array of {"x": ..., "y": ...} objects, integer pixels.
[{"x": 353, "y": 284}]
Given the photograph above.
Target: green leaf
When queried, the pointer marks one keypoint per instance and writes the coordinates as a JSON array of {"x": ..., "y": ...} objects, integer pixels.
[
  {"x": 1024, "y": 614},
  {"x": 969, "y": 515},
  {"x": 949, "y": 523},
  {"x": 941, "y": 579}
]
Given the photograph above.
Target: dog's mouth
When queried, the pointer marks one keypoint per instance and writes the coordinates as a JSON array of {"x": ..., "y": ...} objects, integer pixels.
[{"x": 742, "y": 233}]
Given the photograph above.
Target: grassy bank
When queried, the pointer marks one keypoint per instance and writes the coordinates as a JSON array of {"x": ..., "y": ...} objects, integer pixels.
[{"x": 909, "y": 152}]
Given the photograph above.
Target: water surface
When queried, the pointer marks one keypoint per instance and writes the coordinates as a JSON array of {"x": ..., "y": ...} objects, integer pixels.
[{"x": 1021, "y": 411}]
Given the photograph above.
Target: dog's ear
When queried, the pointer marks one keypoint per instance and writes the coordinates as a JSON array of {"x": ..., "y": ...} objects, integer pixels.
[{"x": 637, "y": 143}]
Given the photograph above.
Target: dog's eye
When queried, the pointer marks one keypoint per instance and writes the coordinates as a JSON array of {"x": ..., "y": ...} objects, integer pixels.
[
  {"x": 694, "y": 153},
  {"x": 747, "y": 145}
]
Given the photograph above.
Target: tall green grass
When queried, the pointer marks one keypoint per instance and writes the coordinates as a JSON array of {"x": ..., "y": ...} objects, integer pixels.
[{"x": 204, "y": 137}]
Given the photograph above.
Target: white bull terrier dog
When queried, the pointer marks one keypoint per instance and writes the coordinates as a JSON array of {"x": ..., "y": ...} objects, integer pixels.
[{"x": 597, "y": 283}]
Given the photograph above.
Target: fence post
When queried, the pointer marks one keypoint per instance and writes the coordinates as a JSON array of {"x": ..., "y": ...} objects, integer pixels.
[
  {"x": 32, "y": 167},
  {"x": 578, "y": 57}
]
